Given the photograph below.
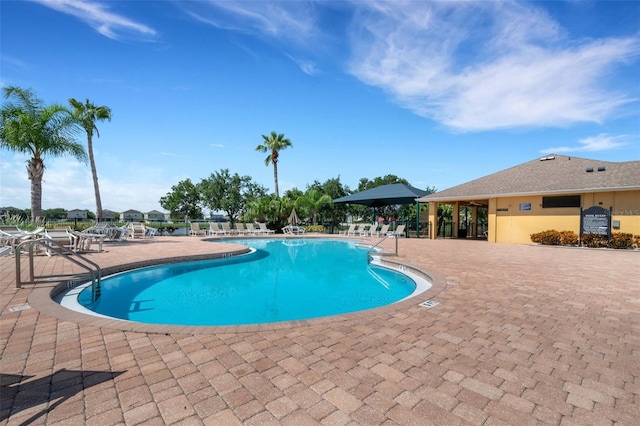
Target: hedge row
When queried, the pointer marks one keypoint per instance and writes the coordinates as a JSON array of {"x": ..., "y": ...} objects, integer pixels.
[{"x": 618, "y": 240}]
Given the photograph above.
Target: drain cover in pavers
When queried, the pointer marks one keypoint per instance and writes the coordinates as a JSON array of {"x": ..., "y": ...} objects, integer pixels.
[{"x": 19, "y": 308}]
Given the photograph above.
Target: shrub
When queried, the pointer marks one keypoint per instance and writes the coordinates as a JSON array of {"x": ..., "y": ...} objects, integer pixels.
[
  {"x": 621, "y": 240},
  {"x": 549, "y": 237},
  {"x": 569, "y": 238},
  {"x": 594, "y": 240},
  {"x": 315, "y": 228},
  {"x": 636, "y": 241}
]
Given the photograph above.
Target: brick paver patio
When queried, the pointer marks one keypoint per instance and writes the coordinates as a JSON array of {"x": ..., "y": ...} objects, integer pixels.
[{"x": 521, "y": 334}]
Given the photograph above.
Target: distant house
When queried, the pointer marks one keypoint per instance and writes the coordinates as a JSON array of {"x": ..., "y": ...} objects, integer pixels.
[
  {"x": 131, "y": 216},
  {"x": 217, "y": 217},
  {"x": 108, "y": 216},
  {"x": 155, "y": 216},
  {"x": 547, "y": 193},
  {"x": 77, "y": 214}
]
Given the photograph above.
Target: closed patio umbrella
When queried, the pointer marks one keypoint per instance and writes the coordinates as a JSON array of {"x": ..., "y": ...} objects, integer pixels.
[{"x": 293, "y": 218}]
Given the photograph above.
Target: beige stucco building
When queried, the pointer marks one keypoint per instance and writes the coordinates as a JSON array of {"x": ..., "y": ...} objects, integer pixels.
[{"x": 545, "y": 193}]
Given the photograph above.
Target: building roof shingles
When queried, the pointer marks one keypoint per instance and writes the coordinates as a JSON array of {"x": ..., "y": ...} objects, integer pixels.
[{"x": 552, "y": 174}]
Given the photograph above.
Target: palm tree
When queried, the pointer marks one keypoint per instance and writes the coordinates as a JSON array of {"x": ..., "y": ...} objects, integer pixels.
[
  {"x": 29, "y": 127},
  {"x": 314, "y": 200},
  {"x": 87, "y": 114},
  {"x": 273, "y": 144}
]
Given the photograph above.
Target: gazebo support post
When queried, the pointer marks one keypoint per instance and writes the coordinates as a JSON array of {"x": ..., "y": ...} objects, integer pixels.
[{"x": 417, "y": 219}]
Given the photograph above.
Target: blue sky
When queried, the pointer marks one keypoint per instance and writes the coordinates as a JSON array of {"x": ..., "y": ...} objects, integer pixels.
[{"x": 438, "y": 93}]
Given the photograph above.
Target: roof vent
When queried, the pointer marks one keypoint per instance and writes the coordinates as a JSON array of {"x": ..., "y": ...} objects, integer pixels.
[
  {"x": 551, "y": 157},
  {"x": 589, "y": 169},
  {"x": 601, "y": 168}
]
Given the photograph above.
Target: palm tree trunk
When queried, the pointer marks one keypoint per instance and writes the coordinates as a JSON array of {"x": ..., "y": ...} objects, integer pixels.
[
  {"x": 275, "y": 178},
  {"x": 94, "y": 173},
  {"x": 35, "y": 170}
]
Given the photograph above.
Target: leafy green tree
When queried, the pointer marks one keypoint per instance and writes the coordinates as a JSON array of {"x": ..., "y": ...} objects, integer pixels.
[
  {"x": 273, "y": 144},
  {"x": 331, "y": 214},
  {"x": 54, "y": 214},
  {"x": 183, "y": 201},
  {"x": 314, "y": 200},
  {"x": 365, "y": 183},
  {"x": 261, "y": 209},
  {"x": 293, "y": 194},
  {"x": 229, "y": 193},
  {"x": 87, "y": 114},
  {"x": 275, "y": 211},
  {"x": 28, "y": 126}
]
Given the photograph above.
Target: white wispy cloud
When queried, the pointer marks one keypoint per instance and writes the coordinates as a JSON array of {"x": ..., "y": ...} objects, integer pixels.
[
  {"x": 288, "y": 21},
  {"x": 307, "y": 66},
  {"x": 99, "y": 17},
  {"x": 601, "y": 142},
  {"x": 486, "y": 65},
  {"x": 471, "y": 66}
]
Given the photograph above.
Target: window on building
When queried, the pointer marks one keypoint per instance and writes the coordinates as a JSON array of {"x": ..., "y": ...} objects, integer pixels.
[{"x": 561, "y": 201}]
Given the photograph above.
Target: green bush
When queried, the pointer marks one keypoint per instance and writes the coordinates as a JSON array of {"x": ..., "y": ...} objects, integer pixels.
[
  {"x": 315, "y": 228},
  {"x": 550, "y": 237},
  {"x": 594, "y": 240},
  {"x": 621, "y": 240}
]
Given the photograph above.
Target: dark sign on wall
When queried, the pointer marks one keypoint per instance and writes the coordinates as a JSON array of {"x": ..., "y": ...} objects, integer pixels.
[{"x": 595, "y": 220}]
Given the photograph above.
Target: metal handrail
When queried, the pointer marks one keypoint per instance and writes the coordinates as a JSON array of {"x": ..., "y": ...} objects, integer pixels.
[
  {"x": 49, "y": 245},
  {"x": 376, "y": 245}
]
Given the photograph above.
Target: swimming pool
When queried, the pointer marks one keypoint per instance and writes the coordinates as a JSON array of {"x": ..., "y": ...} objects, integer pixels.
[{"x": 281, "y": 280}]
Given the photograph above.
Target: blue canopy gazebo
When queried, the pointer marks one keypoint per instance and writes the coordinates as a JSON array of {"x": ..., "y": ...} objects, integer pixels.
[{"x": 386, "y": 195}]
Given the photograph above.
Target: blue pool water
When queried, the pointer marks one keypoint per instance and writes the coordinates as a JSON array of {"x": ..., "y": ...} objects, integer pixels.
[{"x": 283, "y": 280}]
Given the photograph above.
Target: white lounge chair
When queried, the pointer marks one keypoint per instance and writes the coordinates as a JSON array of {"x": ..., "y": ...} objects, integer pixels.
[
  {"x": 240, "y": 229},
  {"x": 214, "y": 229},
  {"x": 371, "y": 230},
  {"x": 293, "y": 230},
  {"x": 11, "y": 236},
  {"x": 359, "y": 230},
  {"x": 62, "y": 236},
  {"x": 383, "y": 230},
  {"x": 350, "y": 231},
  {"x": 138, "y": 230},
  {"x": 195, "y": 230},
  {"x": 264, "y": 229},
  {"x": 226, "y": 228},
  {"x": 251, "y": 229},
  {"x": 151, "y": 232},
  {"x": 398, "y": 232}
]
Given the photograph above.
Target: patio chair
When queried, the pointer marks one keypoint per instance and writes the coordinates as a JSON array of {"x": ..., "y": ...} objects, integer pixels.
[
  {"x": 350, "y": 231},
  {"x": 240, "y": 229},
  {"x": 214, "y": 229},
  {"x": 293, "y": 230},
  {"x": 251, "y": 229},
  {"x": 118, "y": 233},
  {"x": 195, "y": 229},
  {"x": 62, "y": 236},
  {"x": 264, "y": 229},
  {"x": 151, "y": 232},
  {"x": 398, "y": 232},
  {"x": 226, "y": 228},
  {"x": 359, "y": 230},
  {"x": 138, "y": 230},
  {"x": 384, "y": 229},
  {"x": 11, "y": 236},
  {"x": 371, "y": 230}
]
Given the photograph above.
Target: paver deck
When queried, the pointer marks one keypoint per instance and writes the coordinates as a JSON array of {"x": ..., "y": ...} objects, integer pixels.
[{"x": 521, "y": 334}]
